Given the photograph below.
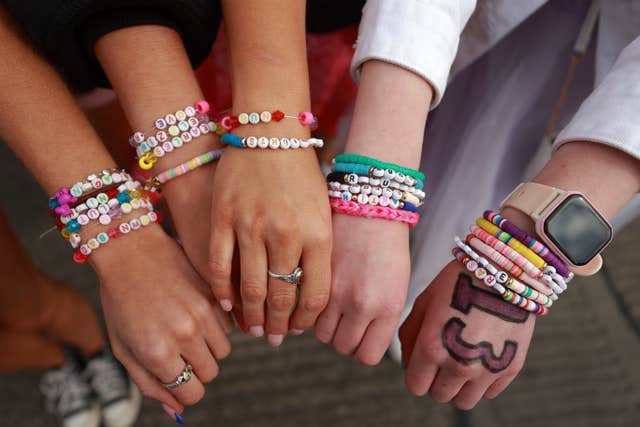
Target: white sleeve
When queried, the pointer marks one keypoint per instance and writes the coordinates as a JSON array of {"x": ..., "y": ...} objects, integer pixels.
[
  {"x": 611, "y": 114},
  {"x": 419, "y": 35}
]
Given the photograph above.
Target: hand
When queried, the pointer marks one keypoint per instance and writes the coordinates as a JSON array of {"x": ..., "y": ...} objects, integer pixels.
[
  {"x": 159, "y": 315},
  {"x": 274, "y": 204},
  {"x": 370, "y": 279},
  {"x": 462, "y": 342}
]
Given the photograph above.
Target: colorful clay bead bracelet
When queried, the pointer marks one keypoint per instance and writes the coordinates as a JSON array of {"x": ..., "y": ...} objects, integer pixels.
[
  {"x": 365, "y": 170},
  {"x": 273, "y": 143},
  {"x": 182, "y": 134},
  {"x": 529, "y": 241},
  {"x": 200, "y": 107},
  {"x": 81, "y": 255},
  {"x": 93, "y": 183},
  {"x": 231, "y": 122},
  {"x": 154, "y": 183},
  {"x": 491, "y": 281},
  {"x": 355, "y": 179},
  {"x": 378, "y": 212},
  {"x": 406, "y": 196},
  {"x": 369, "y": 161}
]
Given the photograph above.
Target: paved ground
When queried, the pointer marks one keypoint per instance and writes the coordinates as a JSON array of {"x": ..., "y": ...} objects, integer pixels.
[{"x": 582, "y": 369}]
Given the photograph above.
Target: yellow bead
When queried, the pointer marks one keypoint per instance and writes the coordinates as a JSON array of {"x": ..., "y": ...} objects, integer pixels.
[
  {"x": 65, "y": 233},
  {"x": 135, "y": 194},
  {"x": 147, "y": 161}
]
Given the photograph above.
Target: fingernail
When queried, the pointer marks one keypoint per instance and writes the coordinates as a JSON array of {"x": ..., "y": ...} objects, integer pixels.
[
  {"x": 173, "y": 414},
  {"x": 275, "y": 340},
  {"x": 226, "y": 305},
  {"x": 256, "y": 331},
  {"x": 296, "y": 332}
]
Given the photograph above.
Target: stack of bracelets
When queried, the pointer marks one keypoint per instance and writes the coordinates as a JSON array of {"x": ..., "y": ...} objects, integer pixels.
[
  {"x": 366, "y": 187},
  {"x": 103, "y": 197},
  {"x": 520, "y": 268}
]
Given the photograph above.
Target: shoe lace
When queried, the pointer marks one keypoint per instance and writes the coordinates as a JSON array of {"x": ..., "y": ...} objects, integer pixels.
[
  {"x": 65, "y": 390},
  {"x": 108, "y": 378}
]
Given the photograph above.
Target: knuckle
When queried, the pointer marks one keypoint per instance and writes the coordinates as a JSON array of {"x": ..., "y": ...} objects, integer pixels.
[
  {"x": 252, "y": 291},
  {"x": 220, "y": 272},
  {"x": 186, "y": 328},
  {"x": 324, "y": 335},
  {"x": 223, "y": 349},
  {"x": 315, "y": 303},
  {"x": 461, "y": 370},
  {"x": 156, "y": 355},
  {"x": 223, "y": 213},
  {"x": 286, "y": 230},
  {"x": 209, "y": 375},
  {"x": 202, "y": 310},
  {"x": 320, "y": 238},
  {"x": 432, "y": 350},
  {"x": 148, "y": 391},
  {"x": 281, "y": 301},
  {"x": 193, "y": 398},
  {"x": 363, "y": 304}
]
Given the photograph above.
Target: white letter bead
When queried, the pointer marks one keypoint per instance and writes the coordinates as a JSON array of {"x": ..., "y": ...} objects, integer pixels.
[
  {"x": 104, "y": 219},
  {"x": 285, "y": 143},
  {"x": 251, "y": 142},
  {"x": 263, "y": 142},
  {"x": 243, "y": 118},
  {"x": 274, "y": 143},
  {"x": 352, "y": 178},
  {"x": 387, "y": 192},
  {"x": 481, "y": 273},
  {"x": 378, "y": 173},
  {"x": 389, "y": 174},
  {"x": 489, "y": 280},
  {"x": 376, "y": 191},
  {"x": 265, "y": 116},
  {"x": 502, "y": 277},
  {"x": 304, "y": 143},
  {"x": 385, "y": 182},
  {"x": 295, "y": 143},
  {"x": 384, "y": 201},
  {"x": 365, "y": 189},
  {"x": 170, "y": 119},
  {"x": 346, "y": 196},
  {"x": 363, "y": 199},
  {"x": 355, "y": 189},
  {"x": 190, "y": 111},
  {"x": 472, "y": 266},
  {"x": 181, "y": 115},
  {"x": 374, "y": 181},
  {"x": 374, "y": 200}
]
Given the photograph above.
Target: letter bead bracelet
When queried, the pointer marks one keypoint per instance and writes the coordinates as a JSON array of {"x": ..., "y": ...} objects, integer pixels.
[
  {"x": 272, "y": 143},
  {"x": 368, "y": 191},
  {"x": 231, "y": 122}
]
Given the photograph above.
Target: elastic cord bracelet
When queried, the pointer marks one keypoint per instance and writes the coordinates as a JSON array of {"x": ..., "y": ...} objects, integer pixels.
[
  {"x": 370, "y": 171},
  {"x": 369, "y": 161},
  {"x": 200, "y": 107},
  {"x": 231, "y": 122},
  {"x": 509, "y": 240},
  {"x": 93, "y": 183},
  {"x": 372, "y": 182},
  {"x": 81, "y": 255},
  {"x": 368, "y": 211},
  {"x": 529, "y": 241},
  {"x": 154, "y": 183},
  {"x": 364, "y": 199},
  {"x": 471, "y": 262},
  {"x": 273, "y": 143}
]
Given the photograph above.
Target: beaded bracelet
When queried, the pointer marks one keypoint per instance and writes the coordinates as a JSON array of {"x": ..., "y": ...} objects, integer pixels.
[
  {"x": 509, "y": 240},
  {"x": 369, "y": 161},
  {"x": 181, "y": 134},
  {"x": 93, "y": 182},
  {"x": 274, "y": 143},
  {"x": 200, "y": 107},
  {"x": 364, "y": 199},
  {"x": 154, "y": 183},
  {"x": 81, "y": 255},
  {"x": 352, "y": 193},
  {"x": 355, "y": 179},
  {"x": 369, "y": 211},
  {"x": 375, "y": 190},
  {"x": 493, "y": 281},
  {"x": 370, "y": 171},
  {"x": 529, "y": 241},
  {"x": 231, "y": 122}
]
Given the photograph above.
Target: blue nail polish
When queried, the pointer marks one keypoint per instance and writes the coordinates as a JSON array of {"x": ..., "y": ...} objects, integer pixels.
[{"x": 179, "y": 418}]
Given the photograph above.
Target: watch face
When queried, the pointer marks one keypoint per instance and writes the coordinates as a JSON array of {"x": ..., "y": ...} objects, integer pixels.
[{"x": 577, "y": 229}]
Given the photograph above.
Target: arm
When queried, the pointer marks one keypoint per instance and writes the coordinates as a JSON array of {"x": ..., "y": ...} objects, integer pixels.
[
  {"x": 446, "y": 373},
  {"x": 59, "y": 146},
  {"x": 273, "y": 202}
]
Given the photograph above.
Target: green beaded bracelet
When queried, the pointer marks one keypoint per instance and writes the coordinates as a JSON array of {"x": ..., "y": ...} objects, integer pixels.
[{"x": 369, "y": 161}]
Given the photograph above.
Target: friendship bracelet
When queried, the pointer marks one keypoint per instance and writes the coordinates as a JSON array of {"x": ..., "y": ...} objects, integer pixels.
[
  {"x": 364, "y": 199},
  {"x": 374, "y": 189},
  {"x": 81, "y": 255},
  {"x": 509, "y": 240},
  {"x": 355, "y": 179},
  {"x": 177, "y": 136},
  {"x": 529, "y": 241},
  {"x": 354, "y": 191},
  {"x": 364, "y": 160},
  {"x": 272, "y": 143},
  {"x": 368, "y": 211},
  {"x": 231, "y": 122},
  {"x": 200, "y": 107},
  {"x": 370, "y": 171},
  {"x": 472, "y": 262},
  {"x": 154, "y": 183},
  {"x": 93, "y": 182}
]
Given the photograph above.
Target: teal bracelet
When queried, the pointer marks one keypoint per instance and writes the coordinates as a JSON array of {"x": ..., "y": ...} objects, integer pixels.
[
  {"x": 361, "y": 169},
  {"x": 369, "y": 161}
]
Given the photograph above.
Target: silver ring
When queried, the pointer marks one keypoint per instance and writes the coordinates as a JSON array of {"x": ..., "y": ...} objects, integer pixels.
[
  {"x": 293, "y": 278},
  {"x": 183, "y": 378}
]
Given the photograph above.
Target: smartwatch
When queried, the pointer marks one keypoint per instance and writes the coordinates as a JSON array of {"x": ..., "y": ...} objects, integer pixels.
[{"x": 566, "y": 222}]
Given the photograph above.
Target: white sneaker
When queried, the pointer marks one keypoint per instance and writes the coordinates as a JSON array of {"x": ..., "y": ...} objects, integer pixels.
[
  {"x": 120, "y": 398},
  {"x": 68, "y": 395}
]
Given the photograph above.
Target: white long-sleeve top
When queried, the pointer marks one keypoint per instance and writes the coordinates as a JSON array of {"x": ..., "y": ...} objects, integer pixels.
[{"x": 438, "y": 38}]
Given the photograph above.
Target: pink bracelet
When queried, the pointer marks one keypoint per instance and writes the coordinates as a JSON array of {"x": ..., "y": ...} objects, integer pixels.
[{"x": 368, "y": 211}]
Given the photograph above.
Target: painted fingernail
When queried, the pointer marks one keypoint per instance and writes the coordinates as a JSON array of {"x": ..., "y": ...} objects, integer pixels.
[
  {"x": 296, "y": 332},
  {"x": 256, "y": 331},
  {"x": 226, "y": 305},
  {"x": 173, "y": 414},
  {"x": 275, "y": 339}
]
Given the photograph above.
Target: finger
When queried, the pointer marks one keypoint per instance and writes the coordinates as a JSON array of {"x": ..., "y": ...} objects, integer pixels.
[
  {"x": 224, "y": 319},
  {"x": 253, "y": 282},
  {"x": 147, "y": 383},
  {"x": 201, "y": 358},
  {"x": 470, "y": 394},
  {"x": 349, "y": 334},
  {"x": 221, "y": 247},
  {"x": 409, "y": 331},
  {"x": 446, "y": 385},
  {"x": 215, "y": 336},
  {"x": 284, "y": 258},
  {"x": 376, "y": 341},
  {"x": 498, "y": 386},
  {"x": 422, "y": 367},
  {"x": 327, "y": 323},
  {"x": 314, "y": 290}
]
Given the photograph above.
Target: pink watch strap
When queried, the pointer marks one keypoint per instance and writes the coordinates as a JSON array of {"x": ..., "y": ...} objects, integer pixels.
[{"x": 532, "y": 198}]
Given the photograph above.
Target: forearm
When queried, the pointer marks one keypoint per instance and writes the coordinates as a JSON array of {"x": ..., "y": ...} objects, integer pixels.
[
  {"x": 390, "y": 114},
  {"x": 608, "y": 177},
  {"x": 39, "y": 118}
]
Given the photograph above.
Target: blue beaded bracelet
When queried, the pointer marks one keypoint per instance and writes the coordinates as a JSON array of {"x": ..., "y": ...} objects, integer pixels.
[{"x": 362, "y": 170}]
